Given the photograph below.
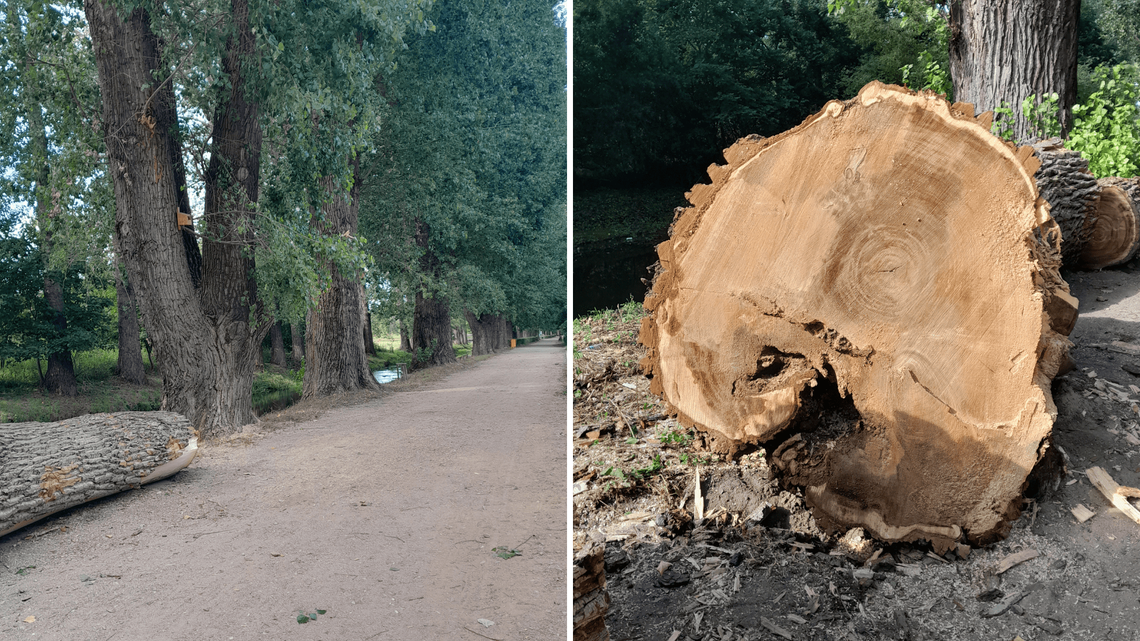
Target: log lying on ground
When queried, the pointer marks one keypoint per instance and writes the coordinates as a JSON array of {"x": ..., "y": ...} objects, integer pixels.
[
  {"x": 48, "y": 467},
  {"x": 1116, "y": 236},
  {"x": 591, "y": 600},
  {"x": 1073, "y": 194},
  {"x": 875, "y": 297}
]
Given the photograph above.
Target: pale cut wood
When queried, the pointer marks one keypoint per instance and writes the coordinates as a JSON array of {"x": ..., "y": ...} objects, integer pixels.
[
  {"x": 1082, "y": 513},
  {"x": 874, "y": 296},
  {"x": 48, "y": 467},
  {"x": 1116, "y": 235},
  {"x": 1116, "y": 494},
  {"x": 1016, "y": 558}
]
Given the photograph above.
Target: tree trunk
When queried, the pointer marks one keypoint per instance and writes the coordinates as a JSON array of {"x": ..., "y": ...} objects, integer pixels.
[
  {"x": 1116, "y": 235},
  {"x": 335, "y": 359},
  {"x": 431, "y": 320},
  {"x": 131, "y": 367},
  {"x": 591, "y": 600},
  {"x": 1004, "y": 50},
  {"x": 298, "y": 342},
  {"x": 1064, "y": 181},
  {"x": 881, "y": 324},
  {"x": 60, "y": 378},
  {"x": 369, "y": 340},
  {"x": 489, "y": 333},
  {"x": 48, "y": 467},
  {"x": 405, "y": 337},
  {"x": 205, "y": 346},
  {"x": 277, "y": 341}
]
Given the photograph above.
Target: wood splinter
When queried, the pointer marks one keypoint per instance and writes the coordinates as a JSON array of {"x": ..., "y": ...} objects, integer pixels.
[{"x": 1115, "y": 493}]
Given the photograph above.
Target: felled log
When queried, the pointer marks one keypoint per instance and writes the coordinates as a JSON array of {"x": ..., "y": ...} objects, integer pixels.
[
  {"x": 1116, "y": 235},
  {"x": 1073, "y": 194},
  {"x": 874, "y": 296},
  {"x": 591, "y": 600},
  {"x": 48, "y": 467}
]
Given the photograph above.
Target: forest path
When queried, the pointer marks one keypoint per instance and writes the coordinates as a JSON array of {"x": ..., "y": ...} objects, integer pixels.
[{"x": 385, "y": 515}]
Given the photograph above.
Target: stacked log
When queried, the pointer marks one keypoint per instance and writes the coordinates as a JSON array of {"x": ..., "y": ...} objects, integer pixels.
[
  {"x": 874, "y": 297},
  {"x": 1073, "y": 194},
  {"x": 1116, "y": 235},
  {"x": 48, "y": 467}
]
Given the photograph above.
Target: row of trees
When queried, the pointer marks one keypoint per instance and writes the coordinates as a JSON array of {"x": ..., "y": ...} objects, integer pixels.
[{"x": 392, "y": 155}]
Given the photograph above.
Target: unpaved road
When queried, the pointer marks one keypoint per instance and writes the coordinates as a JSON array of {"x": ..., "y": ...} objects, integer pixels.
[{"x": 385, "y": 515}]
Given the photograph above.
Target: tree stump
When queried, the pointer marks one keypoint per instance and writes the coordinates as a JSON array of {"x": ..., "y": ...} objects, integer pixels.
[
  {"x": 1116, "y": 234},
  {"x": 874, "y": 296},
  {"x": 591, "y": 600},
  {"x": 48, "y": 467}
]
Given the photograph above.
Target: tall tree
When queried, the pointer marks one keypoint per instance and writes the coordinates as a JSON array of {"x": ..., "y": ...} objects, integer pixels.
[{"x": 1002, "y": 51}]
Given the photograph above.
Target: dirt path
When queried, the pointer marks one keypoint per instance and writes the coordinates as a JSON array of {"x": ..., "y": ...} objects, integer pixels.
[{"x": 385, "y": 515}]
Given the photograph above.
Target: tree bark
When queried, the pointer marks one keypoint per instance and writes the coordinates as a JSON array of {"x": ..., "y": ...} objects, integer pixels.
[
  {"x": 335, "y": 359},
  {"x": 887, "y": 325},
  {"x": 205, "y": 346},
  {"x": 130, "y": 363},
  {"x": 48, "y": 467},
  {"x": 591, "y": 599},
  {"x": 1064, "y": 181},
  {"x": 369, "y": 340},
  {"x": 277, "y": 341},
  {"x": 1004, "y": 50},
  {"x": 489, "y": 333},
  {"x": 431, "y": 320},
  {"x": 1116, "y": 235},
  {"x": 405, "y": 337}
]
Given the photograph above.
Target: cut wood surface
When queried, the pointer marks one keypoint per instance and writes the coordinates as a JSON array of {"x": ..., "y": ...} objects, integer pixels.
[
  {"x": 1116, "y": 235},
  {"x": 48, "y": 467},
  {"x": 1116, "y": 494},
  {"x": 882, "y": 284}
]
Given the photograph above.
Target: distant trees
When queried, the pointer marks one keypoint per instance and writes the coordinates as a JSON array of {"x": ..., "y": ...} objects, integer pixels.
[{"x": 464, "y": 198}]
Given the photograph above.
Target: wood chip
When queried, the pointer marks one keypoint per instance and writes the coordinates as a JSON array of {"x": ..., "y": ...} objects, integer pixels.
[
  {"x": 1082, "y": 513},
  {"x": 775, "y": 629},
  {"x": 698, "y": 500},
  {"x": 579, "y": 487},
  {"x": 1015, "y": 559},
  {"x": 676, "y": 635},
  {"x": 795, "y": 618},
  {"x": 1116, "y": 494}
]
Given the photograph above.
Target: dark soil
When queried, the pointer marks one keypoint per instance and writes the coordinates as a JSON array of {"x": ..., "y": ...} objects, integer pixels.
[{"x": 759, "y": 567}]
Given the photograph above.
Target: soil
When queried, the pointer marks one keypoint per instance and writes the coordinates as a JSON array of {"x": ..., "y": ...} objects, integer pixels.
[
  {"x": 758, "y": 566},
  {"x": 410, "y": 514}
]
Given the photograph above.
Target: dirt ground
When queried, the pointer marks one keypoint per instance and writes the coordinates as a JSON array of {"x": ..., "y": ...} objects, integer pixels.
[
  {"x": 758, "y": 566},
  {"x": 412, "y": 515}
]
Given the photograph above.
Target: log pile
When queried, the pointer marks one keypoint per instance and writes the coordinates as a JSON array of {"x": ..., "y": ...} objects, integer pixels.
[
  {"x": 873, "y": 296},
  {"x": 591, "y": 600},
  {"x": 48, "y": 467}
]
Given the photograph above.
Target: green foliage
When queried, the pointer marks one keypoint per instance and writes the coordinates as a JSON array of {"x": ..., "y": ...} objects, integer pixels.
[
  {"x": 1107, "y": 127},
  {"x": 933, "y": 75},
  {"x": 1002, "y": 125},
  {"x": 1043, "y": 114}
]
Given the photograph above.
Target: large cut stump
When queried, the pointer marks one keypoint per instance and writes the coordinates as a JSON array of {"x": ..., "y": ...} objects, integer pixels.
[
  {"x": 1116, "y": 234},
  {"x": 874, "y": 295},
  {"x": 48, "y": 467}
]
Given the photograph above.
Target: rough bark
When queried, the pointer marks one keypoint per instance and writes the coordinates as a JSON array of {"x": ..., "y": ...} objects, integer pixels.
[
  {"x": 277, "y": 345},
  {"x": 48, "y": 467},
  {"x": 431, "y": 319},
  {"x": 1064, "y": 181},
  {"x": 335, "y": 360},
  {"x": 482, "y": 331},
  {"x": 405, "y": 337},
  {"x": 130, "y": 363},
  {"x": 591, "y": 600},
  {"x": 887, "y": 325},
  {"x": 1116, "y": 235},
  {"x": 205, "y": 347},
  {"x": 1005, "y": 50}
]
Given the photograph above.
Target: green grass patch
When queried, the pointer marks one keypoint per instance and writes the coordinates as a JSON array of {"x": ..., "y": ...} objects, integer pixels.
[
  {"x": 273, "y": 391},
  {"x": 387, "y": 359}
]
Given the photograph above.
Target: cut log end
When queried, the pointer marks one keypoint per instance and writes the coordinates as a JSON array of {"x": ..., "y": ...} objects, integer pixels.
[
  {"x": 1116, "y": 234},
  {"x": 898, "y": 308}
]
